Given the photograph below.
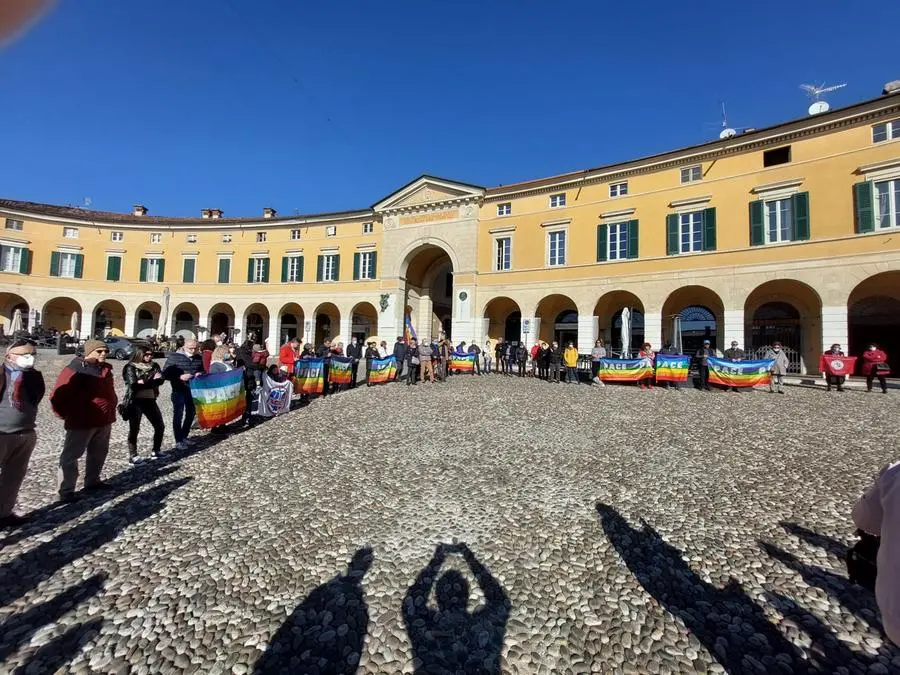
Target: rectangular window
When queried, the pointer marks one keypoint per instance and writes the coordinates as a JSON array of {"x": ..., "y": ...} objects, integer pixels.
[
  {"x": 367, "y": 265},
  {"x": 503, "y": 253},
  {"x": 12, "y": 224},
  {"x": 504, "y": 209},
  {"x": 779, "y": 218},
  {"x": 191, "y": 238},
  {"x": 70, "y": 232},
  {"x": 368, "y": 228},
  {"x": 331, "y": 230},
  {"x": 557, "y": 201},
  {"x": 887, "y": 203},
  {"x": 260, "y": 237},
  {"x": 224, "y": 270},
  {"x": 617, "y": 241},
  {"x": 154, "y": 269},
  {"x": 67, "y": 262},
  {"x": 259, "y": 269},
  {"x": 156, "y": 237},
  {"x": 329, "y": 267},
  {"x": 886, "y": 131},
  {"x": 691, "y": 174},
  {"x": 226, "y": 238},
  {"x": 295, "y": 235},
  {"x": 618, "y": 189},
  {"x": 10, "y": 259},
  {"x": 114, "y": 268},
  {"x": 556, "y": 242},
  {"x": 295, "y": 269},
  {"x": 115, "y": 235},
  {"x": 190, "y": 270},
  {"x": 690, "y": 232},
  {"x": 777, "y": 156}
]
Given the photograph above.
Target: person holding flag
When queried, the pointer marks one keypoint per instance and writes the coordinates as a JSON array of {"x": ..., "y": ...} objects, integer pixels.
[{"x": 836, "y": 366}]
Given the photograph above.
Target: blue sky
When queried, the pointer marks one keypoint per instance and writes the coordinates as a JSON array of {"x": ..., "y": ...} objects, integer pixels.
[{"x": 312, "y": 107}]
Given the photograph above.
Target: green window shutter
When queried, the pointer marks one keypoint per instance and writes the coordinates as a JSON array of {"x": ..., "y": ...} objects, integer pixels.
[
  {"x": 24, "y": 261},
  {"x": 602, "y": 246},
  {"x": 757, "y": 233},
  {"x": 113, "y": 268},
  {"x": 79, "y": 265},
  {"x": 300, "y": 270},
  {"x": 374, "y": 265},
  {"x": 356, "y": 267},
  {"x": 265, "y": 270},
  {"x": 709, "y": 229},
  {"x": 320, "y": 267},
  {"x": 337, "y": 267},
  {"x": 224, "y": 270},
  {"x": 865, "y": 211},
  {"x": 143, "y": 276},
  {"x": 190, "y": 265},
  {"x": 285, "y": 262},
  {"x": 162, "y": 270},
  {"x": 54, "y": 264},
  {"x": 250, "y": 271},
  {"x": 800, "y": 209},
  {"x": 632, "y": 239},
  {"x": 672, "y": 234}
]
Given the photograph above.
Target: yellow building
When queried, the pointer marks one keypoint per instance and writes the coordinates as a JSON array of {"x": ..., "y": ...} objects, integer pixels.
[{"x": 790, "y": 233}]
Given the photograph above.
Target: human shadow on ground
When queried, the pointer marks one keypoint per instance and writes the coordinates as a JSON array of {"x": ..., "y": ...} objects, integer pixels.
[
  {"x": 449, "y": 638},
  {"x": 325, "y": 633},
  {"x": 830, "y": 544},
  {"x": 726, "y": 621},
  {"x": 19, "y": 576},
  {"x": 52, "y": 656}
]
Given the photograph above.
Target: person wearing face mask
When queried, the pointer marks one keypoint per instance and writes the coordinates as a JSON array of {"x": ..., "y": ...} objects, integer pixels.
[
  {"x": 21, "y": 390},
  {"x": 85, "y": 397},
  {"x": 874, "y": 364},
  {"x": 487, "y": 352},
  {"x": 180, "y": 368},
  {"x": 143, "y": 377},
  {"x": 355, "y": 352},
  {"x": 779, "y": 367},
  {"x": 833, "y": 379}
]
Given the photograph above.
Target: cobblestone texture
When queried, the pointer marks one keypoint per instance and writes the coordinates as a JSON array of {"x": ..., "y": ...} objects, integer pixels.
[{"x": 633, "y": 532}]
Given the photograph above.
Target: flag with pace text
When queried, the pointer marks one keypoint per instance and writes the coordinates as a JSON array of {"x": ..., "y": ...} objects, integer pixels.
[
  {"x": 625, "y": 370},
  {"x": 671, "y": 368},
  {"x": 219, "y": 398},
  {"x": 309, "y": 375},
  {"x": 740, "y": 373}
]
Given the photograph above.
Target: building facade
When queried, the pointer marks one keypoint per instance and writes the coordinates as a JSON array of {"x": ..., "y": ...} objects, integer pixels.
[{"x": 789, "y": 233}]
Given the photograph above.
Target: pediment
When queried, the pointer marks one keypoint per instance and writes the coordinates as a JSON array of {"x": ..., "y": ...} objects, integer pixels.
[{"x": 428, "y": 190}]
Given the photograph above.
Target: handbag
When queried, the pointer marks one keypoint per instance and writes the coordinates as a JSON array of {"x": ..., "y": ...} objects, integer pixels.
[
  {"x": 862, "y": 567},
  {"x": 882, "y": 368},
  {"x": 124, "y": 411}
]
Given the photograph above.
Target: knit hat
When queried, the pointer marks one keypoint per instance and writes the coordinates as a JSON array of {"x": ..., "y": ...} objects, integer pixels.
[{"x": 91, "y": 345}]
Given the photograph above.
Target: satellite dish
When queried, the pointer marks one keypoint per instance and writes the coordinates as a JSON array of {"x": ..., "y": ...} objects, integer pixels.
[
  {"x": 727, "y": 133},
  {"x": 818, "y": 107}
]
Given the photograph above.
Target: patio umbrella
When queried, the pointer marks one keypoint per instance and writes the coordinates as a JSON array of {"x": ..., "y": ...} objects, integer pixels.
[
  {"x": 16, "y": 324},
  {"x": 163, "y": 313},
  {"x": 676, "y": 334},
  {"x": 626, "y": 332},
  {"x": 73, "y": 328}
]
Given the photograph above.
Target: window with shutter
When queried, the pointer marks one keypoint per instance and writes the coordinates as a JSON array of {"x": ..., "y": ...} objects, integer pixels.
[
  {"x": 54, "y": 264},
  {"x": 79, "y": 265},
  {"x": 757, "y": 226},
  {"x": 672, "y": 234},
  {"x": 113, "y": 268},
  {"x": 190, "y": 267},
  {"x": 709, "y": 229},
  {"x": 356, "y": 264},
  {"x": 224, "y": 270},
  {"x": 632, "y": 239},
  {"x": 801, "y": 216}
]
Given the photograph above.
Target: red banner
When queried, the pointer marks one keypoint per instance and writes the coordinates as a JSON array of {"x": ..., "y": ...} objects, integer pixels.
[{"x": 838, "y": 365}]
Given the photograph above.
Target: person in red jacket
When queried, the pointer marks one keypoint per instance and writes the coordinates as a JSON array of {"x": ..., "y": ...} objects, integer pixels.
[
  {"x": 85, "y": 397},
  {"x": 287, "y": 355},
  {"x": 874, "y": 364}
]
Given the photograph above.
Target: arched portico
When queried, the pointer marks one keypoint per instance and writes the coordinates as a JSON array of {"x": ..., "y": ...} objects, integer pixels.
[
  {"x": 873, "y": 315},
  {"x": 502, "y": 318},
  {"x": 108, "y": 317},
  {"x": 9, "y": 303},
  {"x": 696, "y": 313},
  {"x": 429, "y": 294},
  {"x": 789, "y": 312}
]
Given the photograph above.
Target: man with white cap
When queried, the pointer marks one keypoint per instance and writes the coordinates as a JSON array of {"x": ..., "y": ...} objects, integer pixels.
[{"x": 702, "y": 356}]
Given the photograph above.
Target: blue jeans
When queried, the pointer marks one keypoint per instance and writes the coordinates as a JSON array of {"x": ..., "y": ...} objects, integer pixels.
[{"x": 183, "y": 413}]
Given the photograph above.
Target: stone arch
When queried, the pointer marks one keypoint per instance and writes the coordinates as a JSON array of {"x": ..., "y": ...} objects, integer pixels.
[
  {"x": 701, "y": 314},
  {"x": 363, "y": 321},
  {"x": 185, "y": 321},
  {"x": 221, "y": 319},
  {"x": 327, "y": 321},
  {"x": 557, "y": 319},
  {"x": 412, "y": 251},
  {"x": 108, "y": 317},
  {"x": 873, "y": 314},
  {"x": 608, "y": 313},
  {"x": 9, "y": 303},
  {"x": 57, "y": 313},
  {"x": 291, "y": 319},
  {"x": 256, "y": 323},
  {"x": 146, "y": 319},
  {"x": 787, "y": 311},
  {"x": 502, "y": 318},
  {"x": 428, "y": 271}
]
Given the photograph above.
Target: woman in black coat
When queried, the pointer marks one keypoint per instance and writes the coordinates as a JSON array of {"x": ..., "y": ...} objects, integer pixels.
[{"x": 143, "y": 377}]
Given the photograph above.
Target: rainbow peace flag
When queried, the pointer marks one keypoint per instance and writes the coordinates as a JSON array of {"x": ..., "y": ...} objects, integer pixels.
[
  {"x": 409, "y": 333},
  {"x": 340, "y": 370},
  {"x": 310, "y": 376},
  {"x": 382, "y": 370},
  {"x": 464, "y": 363},
  {"x": 219, "y": 398},
  {"x": 625, "y": 370},
  {"x": 740, "y": 373},
  {"x": 672, "y": 368}
]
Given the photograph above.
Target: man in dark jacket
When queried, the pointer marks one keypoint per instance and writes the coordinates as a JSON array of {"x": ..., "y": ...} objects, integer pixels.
[
  {"x": 543, "y": 356},
  {"x": 500, "y": 354},
  {"x": 476, "y": 350},
  {"x": 21, "y": 390},
  {"x": 521, "y": 358},
  {"x": 85, "y": 397},
  {"x": 399, "y": 356},
  {"x": 555, "y": 361},
  {"x": 734, "y": 354},
  {"x": 180, "y": 368},
  {"x": 412, "y": 361},
  {"x": 355, "y": 352}
]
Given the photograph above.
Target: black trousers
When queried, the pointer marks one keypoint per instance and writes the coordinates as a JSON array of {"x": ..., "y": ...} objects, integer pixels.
[
  {"x": 871, "y": 376},
  {"x": 704, "y": 376},
  {"x": 504, "y": 364},
  {"x": 146, "y": 407},
  {"x": 522, "y": 368},
  {"x": 836, "y": 380},
  {"x": 543, "y": 371},
  {"x": 412, "y": 369},
  {"x": 554, "y": 372},
  {"x": 354, "y": 368}
]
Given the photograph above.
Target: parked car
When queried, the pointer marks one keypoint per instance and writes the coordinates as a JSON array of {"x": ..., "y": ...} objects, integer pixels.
[{"x": 121, "y": 347}]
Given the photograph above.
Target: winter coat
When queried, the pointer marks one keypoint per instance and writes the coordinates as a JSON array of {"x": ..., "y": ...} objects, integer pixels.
[
  {"x": 424, "y": 353},
  {"x": 371, "y": 353},
  {"x": 570, "y": 357},
  {"x": 869, "y": 359},
  {"x": 499, "y": 350},
  {"x": 780, "y": 367},
  {"x": 555, "y": 355},
  {"x": 19, "y": 402},
  {"x": 521, "y": 354},
  {"x": 355, "y": 351},
  {"x": 85, "y": 395},
  {"x": 178, "y": 364},
  {"x": 598, "y": 353},
  {"x": 260, "y": 358},
  {"x": 704, "y": 353},
  {"x": 734, "y": 354},
  {"x": 399, "y": 352},
  {"x": 287, "y": 355},
  {"x": 219, "y": 367},
  {"x": 131, "y": 374},
  {"x": 544, "y": 356},
  {"x": 474, "y": 349}
]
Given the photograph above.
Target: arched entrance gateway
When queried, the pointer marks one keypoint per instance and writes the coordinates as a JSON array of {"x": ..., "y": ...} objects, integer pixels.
[
  {"x": 608, "y": 313},
  {"x": 502, "y": 318},
  {"x": 109, "y": 317},
  {"x": 9, "y": 303},
  {"x": 363, "y": 321},
  {"x": 557, "y": 319},
  {"x": 789, "y": 312},
  {"x": 691, "y": 315},
  {"x": 873, "y": 315},
  {"x": 429, "y": 296}
]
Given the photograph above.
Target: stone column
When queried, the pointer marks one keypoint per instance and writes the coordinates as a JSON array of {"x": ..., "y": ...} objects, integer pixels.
[
  {"x": 344, "y": 327},
  {"x": 834, "y": 327},
  {"x": 273, "y": 328},
  {"x": 527, "y": 328},
  {"x": 733, "y": 330},
  {"x": 652, "y": 330},
  {"x": 130, "y": 320},
  {"x": 587, "y": 333},
  {"x": 462, "y": 323},
  {"x": 390, "y": 321}
]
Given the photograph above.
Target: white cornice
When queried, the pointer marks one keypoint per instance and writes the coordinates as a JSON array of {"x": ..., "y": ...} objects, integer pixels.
[
  {"x": 115, "y": 251},
  {"x": 689, "y": 202},
  {"x": 559, "y": 222},
  {"x": 615, "y": 215},
  {"x": 69, "y": 248},
  {"x": 775, "y": 187},
  {"x": 13, "y": 241},
  {"x": 502, "y": 230},
  {"x": 365, "y": 246}
]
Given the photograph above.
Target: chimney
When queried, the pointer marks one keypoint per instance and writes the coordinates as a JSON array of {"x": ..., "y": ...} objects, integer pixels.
[
  {"x": 269, "y": 212},
  {"x": 139, "y": 210},
  {"x": 892, "y": 87},
  {"x": 215, "y": 213},
  {"x": 204, "y": 213}
]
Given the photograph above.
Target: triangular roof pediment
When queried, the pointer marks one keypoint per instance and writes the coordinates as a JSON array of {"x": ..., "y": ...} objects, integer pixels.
[{"x": 428, "y": 190}]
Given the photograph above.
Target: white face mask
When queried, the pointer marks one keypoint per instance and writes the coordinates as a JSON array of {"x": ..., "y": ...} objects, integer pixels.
[
  {"x": 24, "y": 361},
  {"x": 871, "y": 349},
  {"x": 777, "y": 349}
]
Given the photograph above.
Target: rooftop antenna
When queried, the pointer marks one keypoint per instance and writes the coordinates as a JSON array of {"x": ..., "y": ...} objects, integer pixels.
[
  {"x": 87, "y": 202},
  {"x": 727, "y": 131},
  {"x": 815, "y": 93}
]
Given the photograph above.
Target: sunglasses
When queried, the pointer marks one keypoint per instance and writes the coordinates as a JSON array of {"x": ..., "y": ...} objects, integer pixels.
[{"x": 101, "y": 351}]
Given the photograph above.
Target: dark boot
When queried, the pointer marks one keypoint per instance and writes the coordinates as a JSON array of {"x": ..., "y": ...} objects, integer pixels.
[{"x": 132, "y": 453}]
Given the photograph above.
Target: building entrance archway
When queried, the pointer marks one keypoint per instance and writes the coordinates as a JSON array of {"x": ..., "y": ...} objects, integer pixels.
[
  {"x": 428, "y": 297},
  {"x": 873, "y": 315}
]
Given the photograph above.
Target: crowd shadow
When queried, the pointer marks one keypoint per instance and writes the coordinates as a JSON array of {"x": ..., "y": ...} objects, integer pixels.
[
  {"x": 325, "y": 633},
  {"x": 710, "y": 613},
  {"x": 830, "y": 544},
  {"x": 52, "y": 656},
  {"x": 450, "y": 638}
]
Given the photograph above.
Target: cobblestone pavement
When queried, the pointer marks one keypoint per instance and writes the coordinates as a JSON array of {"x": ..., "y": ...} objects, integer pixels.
[{"x": 618, "y": 530}]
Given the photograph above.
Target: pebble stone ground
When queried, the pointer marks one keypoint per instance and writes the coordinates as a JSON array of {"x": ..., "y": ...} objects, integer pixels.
[{"x": 620, "y": 532}]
